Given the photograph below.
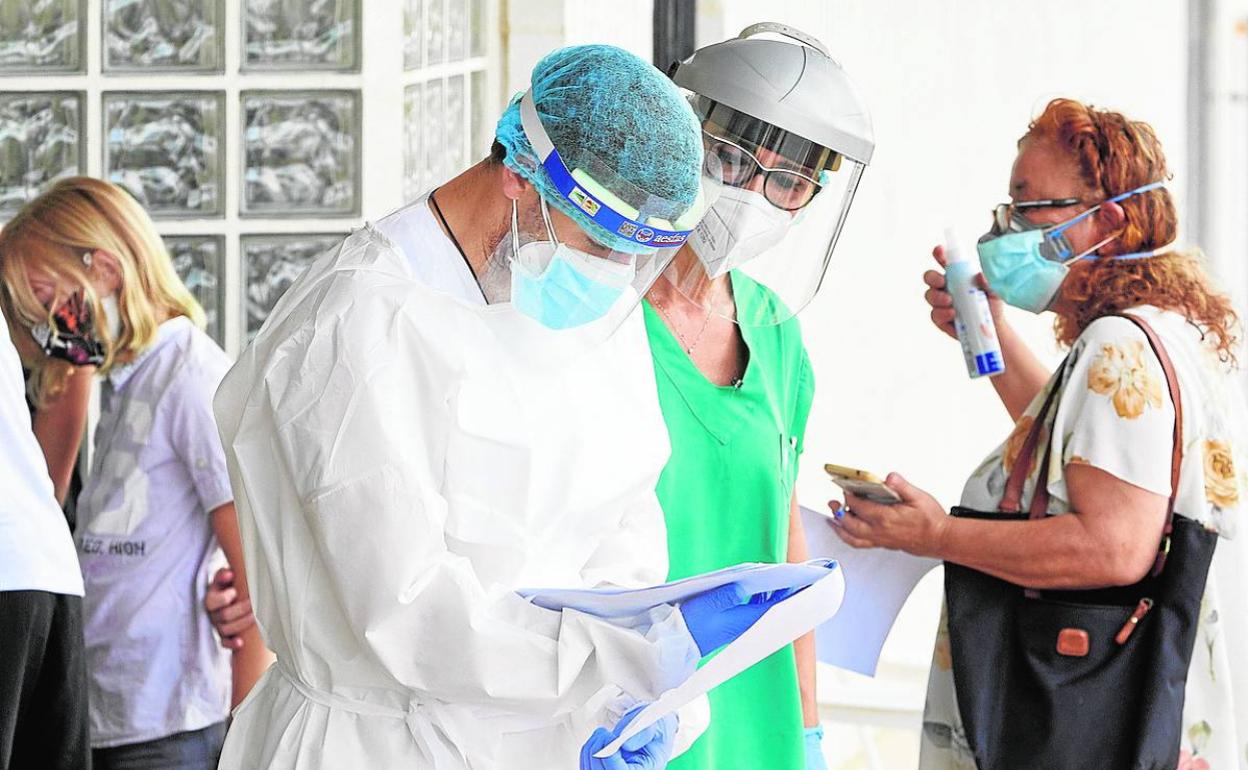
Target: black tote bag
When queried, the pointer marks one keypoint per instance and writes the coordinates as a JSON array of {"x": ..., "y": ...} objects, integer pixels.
[{"x": 1058, "y": 680}]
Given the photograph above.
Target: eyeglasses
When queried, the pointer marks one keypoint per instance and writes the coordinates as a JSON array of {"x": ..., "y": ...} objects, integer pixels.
[
  {"x": 783, "y": 188},
  {"x": 1004, "y": 212}
]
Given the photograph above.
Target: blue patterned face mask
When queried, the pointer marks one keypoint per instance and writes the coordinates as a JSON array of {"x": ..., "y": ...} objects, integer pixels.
[
  {"x": 561, "y": 287},
  {"x": 1027, "y": 265}
]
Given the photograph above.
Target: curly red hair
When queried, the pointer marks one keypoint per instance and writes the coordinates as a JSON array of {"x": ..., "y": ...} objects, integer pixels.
[{"x": 1115, "y": 155}]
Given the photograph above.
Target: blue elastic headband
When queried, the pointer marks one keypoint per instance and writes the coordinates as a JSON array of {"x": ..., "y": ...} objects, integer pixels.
[{"x": 593, "y": 206}]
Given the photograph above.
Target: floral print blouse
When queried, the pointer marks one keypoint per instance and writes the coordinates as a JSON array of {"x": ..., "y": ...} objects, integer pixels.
[{"x": 1114, "y": 413}]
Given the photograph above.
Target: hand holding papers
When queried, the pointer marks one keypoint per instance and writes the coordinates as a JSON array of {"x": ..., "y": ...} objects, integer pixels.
[
  {"x": 779, "y": 626},
  {"x": 879, "y": 583},
  {"x": 819, "y": 587},
  {"x": 647, "y": 750},
  {"x": 717, "y": 617}
]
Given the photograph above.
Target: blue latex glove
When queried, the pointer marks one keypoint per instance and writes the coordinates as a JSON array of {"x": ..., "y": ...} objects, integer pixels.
[
  {"x": 647, "y": 750},
  {"x": 722, "y": 614},
  {"x": 814, "y": 748}
]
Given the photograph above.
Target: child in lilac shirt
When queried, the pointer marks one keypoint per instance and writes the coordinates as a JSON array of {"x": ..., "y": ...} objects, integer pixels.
[{"x": 88, "y": 278}]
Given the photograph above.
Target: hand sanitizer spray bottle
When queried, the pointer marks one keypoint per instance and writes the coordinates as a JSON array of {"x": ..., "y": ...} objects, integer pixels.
[{"x": 972, "y": 316}]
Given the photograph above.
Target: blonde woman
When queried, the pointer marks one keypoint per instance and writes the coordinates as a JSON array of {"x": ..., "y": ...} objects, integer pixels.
[{"x": 88, "y": 288}]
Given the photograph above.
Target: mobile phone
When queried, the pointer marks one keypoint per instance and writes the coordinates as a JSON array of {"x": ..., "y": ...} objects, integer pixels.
[{"x": 865, "y": 485}]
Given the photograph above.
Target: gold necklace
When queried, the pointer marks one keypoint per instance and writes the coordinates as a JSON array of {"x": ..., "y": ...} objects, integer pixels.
[{"x": 689, "y": 346}]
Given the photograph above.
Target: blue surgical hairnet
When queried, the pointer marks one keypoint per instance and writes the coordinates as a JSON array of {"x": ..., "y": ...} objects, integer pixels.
[{"x": 620, "y": 120}]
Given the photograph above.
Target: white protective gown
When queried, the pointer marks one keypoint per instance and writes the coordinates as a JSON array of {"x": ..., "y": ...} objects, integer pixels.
[{"x": 398, "y": 474}]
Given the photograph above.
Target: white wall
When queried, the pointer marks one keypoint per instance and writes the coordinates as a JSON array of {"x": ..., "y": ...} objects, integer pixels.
[
  {"x": 537, "y": 27},
  {"x": 1226, "y": 242}
]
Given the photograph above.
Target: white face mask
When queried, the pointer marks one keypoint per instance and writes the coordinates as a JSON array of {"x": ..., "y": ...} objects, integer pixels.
[
  {"x": 740, "y": 226},
  {"x": 112, "y": 316}
]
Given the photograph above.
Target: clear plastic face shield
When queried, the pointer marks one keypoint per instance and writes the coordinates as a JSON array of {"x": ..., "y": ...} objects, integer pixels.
[
  {"x": 775, "y": 222},
  {"x": 556, "y": 274}
]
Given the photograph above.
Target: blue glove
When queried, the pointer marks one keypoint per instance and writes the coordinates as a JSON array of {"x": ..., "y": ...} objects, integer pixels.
[
  {"x": 720, "y": 615},
  {"x": 647, "y": 750},
  {"x": 814, "y": 748}
]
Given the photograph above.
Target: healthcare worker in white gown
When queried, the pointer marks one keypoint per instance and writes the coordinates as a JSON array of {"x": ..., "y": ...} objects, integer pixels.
[{"x": 456, "y": 403}]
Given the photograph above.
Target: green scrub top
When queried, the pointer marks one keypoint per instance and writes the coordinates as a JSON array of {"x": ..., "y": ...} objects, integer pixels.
[{"x": 725, "y": 494}]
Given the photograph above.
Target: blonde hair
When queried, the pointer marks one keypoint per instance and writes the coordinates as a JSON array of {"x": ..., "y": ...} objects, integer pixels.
[{"x": 50, "y": 235}]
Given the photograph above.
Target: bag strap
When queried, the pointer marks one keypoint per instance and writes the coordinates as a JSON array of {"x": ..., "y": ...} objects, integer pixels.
[
  {"x": 1011, "y": 502},
  {"x": 1176, "y": 454}
]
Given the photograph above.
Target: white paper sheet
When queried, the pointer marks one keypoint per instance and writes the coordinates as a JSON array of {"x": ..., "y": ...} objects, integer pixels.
[
  {"x": 779, "y": 626},
  {"x": 877, "y": 584},
  {"x": 628, "y": 602}
]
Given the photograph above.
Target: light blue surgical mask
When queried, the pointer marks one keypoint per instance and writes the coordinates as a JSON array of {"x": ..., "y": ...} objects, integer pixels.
[
  {"x": 1027, "y": 265},
  {"x": 561, "y": 287}
]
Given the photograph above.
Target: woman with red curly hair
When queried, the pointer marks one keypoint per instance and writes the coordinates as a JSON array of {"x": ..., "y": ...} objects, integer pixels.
[{"x": 1089, "y": 234}]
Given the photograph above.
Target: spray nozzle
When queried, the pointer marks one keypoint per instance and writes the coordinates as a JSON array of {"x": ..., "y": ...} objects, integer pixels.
[{"x": 953, "y": 247}]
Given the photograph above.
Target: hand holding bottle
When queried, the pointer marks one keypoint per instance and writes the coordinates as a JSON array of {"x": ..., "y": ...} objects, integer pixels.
[{"x": 941, "y": 301}]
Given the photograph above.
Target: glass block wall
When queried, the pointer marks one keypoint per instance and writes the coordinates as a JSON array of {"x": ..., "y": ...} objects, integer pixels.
[{"x": 256, "y": 132}]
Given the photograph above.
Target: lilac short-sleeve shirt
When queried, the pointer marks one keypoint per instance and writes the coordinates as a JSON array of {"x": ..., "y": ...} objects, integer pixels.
[{"x": 146, "y": 544}]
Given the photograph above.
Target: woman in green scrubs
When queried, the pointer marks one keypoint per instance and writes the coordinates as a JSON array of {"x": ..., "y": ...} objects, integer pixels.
[
  {"x": 785, "y": 134},
  {"x": 735, "y": 407}
]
